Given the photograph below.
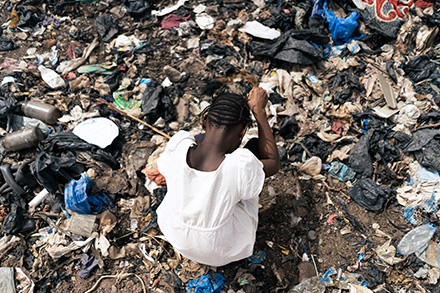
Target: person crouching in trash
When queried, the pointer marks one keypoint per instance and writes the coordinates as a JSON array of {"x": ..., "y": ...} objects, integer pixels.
[{"x": 210, "y": 211}]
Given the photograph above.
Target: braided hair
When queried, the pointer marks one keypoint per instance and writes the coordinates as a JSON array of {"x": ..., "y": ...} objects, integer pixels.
[{"x": 228, "y": 110}]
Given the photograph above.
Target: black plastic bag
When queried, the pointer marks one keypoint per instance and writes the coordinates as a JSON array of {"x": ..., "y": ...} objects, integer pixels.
[
  {"x": 159, "y": 194},
  {"x": 419, "y": 68},
  {"x": 366, "y": 193},
  {"x": 373, "y": 275},
  {"x": 316, "y": 146},
  {"x": 425, "y": 144},
  {"x": 28, "y": 19},
  {"x": 67, "y": 141},
  {"x": 7, "y": 45},
  {"x": 342, "y": 96},
  {"x": 391, "y": 71},
  {"x": 156, "y": 104},
  {"x": 276, "y": 98},
  {"x": 107, "y": 27},
  {"x": 50, "y": 170},
  {"x": 283, "y": 16},
  {"x": 6, "y": 106},
  {"x": 14, "y": 221},
  {"x": 289, "y": 127},
  {"x": 138, "y": 8},
  {"x": 386, "y": 151},
  {"x": 114, "y": 79},
  {"x": 360, "y": 159},
  {"x": 294, "y": 46},
  {"x": 429, "y": 118}
]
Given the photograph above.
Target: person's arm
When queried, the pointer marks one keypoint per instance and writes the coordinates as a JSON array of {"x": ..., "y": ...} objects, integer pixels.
[{"x": 266, "y": 141}]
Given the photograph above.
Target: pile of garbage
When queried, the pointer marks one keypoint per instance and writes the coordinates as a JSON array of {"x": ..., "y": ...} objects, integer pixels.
[{"x": 91, "y": 91}]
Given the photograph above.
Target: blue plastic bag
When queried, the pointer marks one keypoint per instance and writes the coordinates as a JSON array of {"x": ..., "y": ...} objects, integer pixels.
[
  {"x": 341, "y": 29},
  {"x": 77, "y": 199},
  {"x": 209, "y": 283},
  {"x": 341, "y": 172}
]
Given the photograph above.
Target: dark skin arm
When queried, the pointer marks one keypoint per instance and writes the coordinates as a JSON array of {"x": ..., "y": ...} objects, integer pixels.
[{"x": 270, "y": 158}]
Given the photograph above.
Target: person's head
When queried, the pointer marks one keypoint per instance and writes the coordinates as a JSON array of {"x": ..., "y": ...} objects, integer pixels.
[{"x": 229, "y": 112}]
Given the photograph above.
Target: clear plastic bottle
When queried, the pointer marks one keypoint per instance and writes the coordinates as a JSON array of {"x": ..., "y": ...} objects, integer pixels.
[
  {"x": 42, "y": 111},
  {"x": 23, "y": 139},
  {"x": 50, "y": 77},
  {"x": 416, "y": 239}
]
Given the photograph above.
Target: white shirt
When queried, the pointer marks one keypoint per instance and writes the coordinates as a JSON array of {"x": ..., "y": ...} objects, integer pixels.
[{"x": 210, "y": 217}]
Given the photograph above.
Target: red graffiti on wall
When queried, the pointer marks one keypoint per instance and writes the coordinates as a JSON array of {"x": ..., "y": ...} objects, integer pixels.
[{"x": 389, "y": 10}]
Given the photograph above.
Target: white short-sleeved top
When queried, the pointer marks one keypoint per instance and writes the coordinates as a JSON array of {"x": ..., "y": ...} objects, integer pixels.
[{"x": 210, "y": 217}]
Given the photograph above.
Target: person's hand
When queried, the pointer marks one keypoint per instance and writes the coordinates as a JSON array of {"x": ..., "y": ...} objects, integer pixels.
[{"x": 257, "y": 99}]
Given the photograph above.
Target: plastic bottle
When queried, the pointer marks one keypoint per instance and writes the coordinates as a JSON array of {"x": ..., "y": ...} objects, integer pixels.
[
  {"x": 50, "y": 77},
  {"x": 42, "y": 111},
  {"x": 416, "y": 239},
  {"x": 23, "y": 139}
]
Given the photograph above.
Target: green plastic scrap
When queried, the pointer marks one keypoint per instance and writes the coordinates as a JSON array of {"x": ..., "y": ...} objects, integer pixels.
[{"x": 124, "y": 104}]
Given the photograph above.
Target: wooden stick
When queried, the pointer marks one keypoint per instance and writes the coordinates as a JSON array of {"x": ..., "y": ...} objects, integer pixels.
[{"x": 113, "y": 107}]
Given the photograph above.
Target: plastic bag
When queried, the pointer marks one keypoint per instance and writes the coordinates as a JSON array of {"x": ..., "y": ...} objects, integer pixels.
[
  {"x": 419, "y": 68},
  {"x": 259, "y": 30},
  {"x": 77, "y": 199},
  {"x": 366, "y": 193},
  {"x": 415, "y": 239},
  {"x": 341, "y": 29},
  {"x": 6, "y": 106},
  {"x": 98, "y": 131},
  {"x": 88, "y": 263},
  {"x": 7, "y": 45},
  {"x": 312, "y": 166},
  {"x": 7, "y": 280},
  {"x": 294, "y": 46},
  {"x": 14, "y": 221},
  {"x": 67, "y": 141},
  {"x": 156, "y": 104},
  {"x": 50, "y": 170},
  {"x": 431, "y": 254},
  {"x": 289, "y": 127},
  {"x": 206, "y": 284},
  {"x": 360, "y": 160},
  {"x": 172, "y": 20},
  {"x": 425, "y": 144},
  {"x": 341, "y": 172},
  {"x": 152, "y": 172},
  {"x": 312, "y": 285},
  {"x": 138, "y": 8},
  {"x": 107, "y": 27}
]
